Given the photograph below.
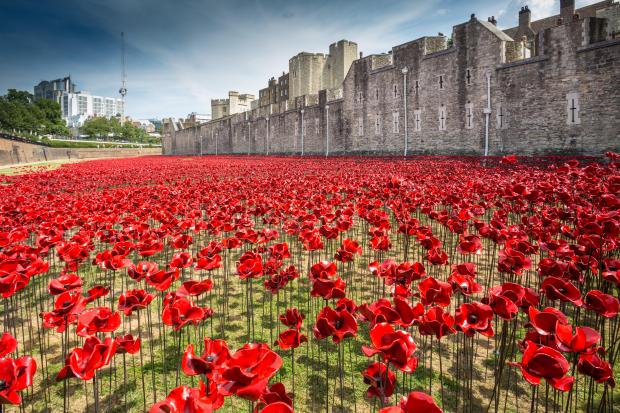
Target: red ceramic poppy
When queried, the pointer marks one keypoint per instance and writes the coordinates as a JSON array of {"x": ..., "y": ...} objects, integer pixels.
[
  {"x": 182, "y": 241},
  {"x": 433, "y": 291},
  {"x": 213, "y": 357},
  {"x": 162, "y": 280},
  {"x": 292, "y": 318},
  {"x": 277, "y": 407},
  {"x": 134, "y": 300},
  {"x": 67, "y": 306},
  {"x": 394, "y": 346},
  {"x": 328, "y": 288},
  {"x": 381, "y": 381},
  {"x": 290, "y": 338},
  {"x": 437, "y": 322},
  {"x": 414, "y": 402},
  {"x": 546, "y": 321},
  {"x": 84, "y": 361},
  {"x": 437, "y": 256},
  {"x": 181, "y": 312},
  {"x": 592, "y": 365},
  {"x": 194, "y": 288},
  {"x": 15, "y": 376},
  {"x": 336, "y": 324},
  {"x": 540, "y": 362},
  {"x": 323, "y": 270},
  {"x": 186, "y": 399},
  {"x": 276, "y": 397},
  {"x": 141, "y": 270},
  {"x": 8, "y": 344},
  {"x": 474, "y": 317},
  {"x": 347, "y": 251},
  {"x": 250, "y": 265},
  {"x": 97, "y": 291},
  {"x": 559, "y": 289},
  {"x": 181, "y": 260},
  {"x": 583, "y": 339},
  {"x": 506, "y": 299},
  {"x": 601, "y": 303},
  {"x": 209, "y": 262},
  {"x": 97, "y": 320},
  {"x": 127, "y": 344},
  {"x": 513, "y": 261},
  {"x": 470, "y": 244},
  {"x": 248, "y": 371},
  {"x": 66, "y": 282}
]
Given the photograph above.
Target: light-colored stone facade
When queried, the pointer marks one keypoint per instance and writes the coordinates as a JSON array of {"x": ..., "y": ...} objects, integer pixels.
[
  {"x": 552, "y": 91},
  {"x": 236, "y": 103},
  {"x": 311, "y": 72}
]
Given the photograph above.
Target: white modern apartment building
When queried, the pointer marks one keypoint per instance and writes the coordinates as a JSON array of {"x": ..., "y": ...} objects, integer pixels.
[{"x": 77, "y": 107}]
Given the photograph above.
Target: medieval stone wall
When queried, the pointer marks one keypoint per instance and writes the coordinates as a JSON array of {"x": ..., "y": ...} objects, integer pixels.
[{"x": 564, "y": 100}]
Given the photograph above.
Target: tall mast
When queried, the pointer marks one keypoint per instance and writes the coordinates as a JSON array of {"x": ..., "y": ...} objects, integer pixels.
[{"x": 123, "y": 89}]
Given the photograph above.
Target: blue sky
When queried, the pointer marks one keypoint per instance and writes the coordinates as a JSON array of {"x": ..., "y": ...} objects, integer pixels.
[{"x": 183, "y": 53}]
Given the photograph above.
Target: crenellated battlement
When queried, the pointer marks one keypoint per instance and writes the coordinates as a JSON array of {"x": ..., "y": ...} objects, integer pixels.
[{"x": 545, "y": 86}]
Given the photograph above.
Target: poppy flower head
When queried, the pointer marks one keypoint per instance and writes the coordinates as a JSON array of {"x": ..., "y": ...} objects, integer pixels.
[
  {"x": 15, "y": 376},
  {"x": 336, "y": 324},
  {"x": 395, "y": 347},
  {"x": 381, "y": 381},
  {"x": 247, "y": 371},
  {"x": 433, "y": 291},
  {"x": 292, "y": 318},
  {"x": 474, "y": 317},
  {"x": 601, "y": 303},
  {"x": 437, "y": 322},
  {"x": 250, "y": 265},
  {"x": 541, "y": 362}
]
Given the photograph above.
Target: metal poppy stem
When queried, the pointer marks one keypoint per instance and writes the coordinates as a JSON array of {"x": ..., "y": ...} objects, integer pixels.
[
  {"x": 141, "y": 361},
  {"x": 96, "y": 391},
  {"x": 441, "y": 376}
]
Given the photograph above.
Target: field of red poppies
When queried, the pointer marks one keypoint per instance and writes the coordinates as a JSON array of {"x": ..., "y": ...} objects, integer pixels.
[{"x": 274, "y": 285}]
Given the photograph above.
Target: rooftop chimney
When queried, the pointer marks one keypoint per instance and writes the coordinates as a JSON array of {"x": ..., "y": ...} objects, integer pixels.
[
  {"x": 492, "y": 20},
  {"x": 567, "y": 10},
  {"x": 525, "y": 18},
  {"x": 361, "y": 54}
]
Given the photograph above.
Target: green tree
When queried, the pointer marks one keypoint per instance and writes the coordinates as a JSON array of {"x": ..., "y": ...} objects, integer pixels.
[
  {"x": 97, "y": 127},
  {"x": 19, "y": 111}
]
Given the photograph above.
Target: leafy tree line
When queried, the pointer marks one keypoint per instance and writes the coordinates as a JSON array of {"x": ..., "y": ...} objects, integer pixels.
[
  {"x": 30, "y": 117},
  {"x": 19, "y": 111},
  {"x": 111, "y": 129}
]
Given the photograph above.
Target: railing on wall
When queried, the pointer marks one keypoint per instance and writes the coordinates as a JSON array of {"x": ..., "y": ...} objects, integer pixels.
[{"x": 8, "y": 136}]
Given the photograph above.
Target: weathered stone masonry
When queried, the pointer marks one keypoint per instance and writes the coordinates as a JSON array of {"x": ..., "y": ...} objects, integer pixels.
[{"x": 564, "y": 99}]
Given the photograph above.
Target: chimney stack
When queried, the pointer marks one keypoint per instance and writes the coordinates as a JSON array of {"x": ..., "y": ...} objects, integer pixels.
[
  {"x": 492, "y": 20},
  {"x": 567, "y": 10},
  {"x": 525, "y": 18},
  {"x": 361, "y": 55}
]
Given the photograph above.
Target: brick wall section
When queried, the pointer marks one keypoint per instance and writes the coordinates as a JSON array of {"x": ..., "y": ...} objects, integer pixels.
[
  {"x": 12, "y": 152},
  {"x": 530, "y": 97}
]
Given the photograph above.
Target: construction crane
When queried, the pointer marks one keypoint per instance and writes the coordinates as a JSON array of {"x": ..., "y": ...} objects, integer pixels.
[{"x": 123, "y": 89}]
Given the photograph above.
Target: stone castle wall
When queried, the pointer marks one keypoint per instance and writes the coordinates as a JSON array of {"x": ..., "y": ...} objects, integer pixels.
[
  {"x": 564, "y": 100},
  {"x": 14, "y": 152}
]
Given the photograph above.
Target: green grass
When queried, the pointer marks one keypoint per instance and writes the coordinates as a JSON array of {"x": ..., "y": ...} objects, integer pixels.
[{"x": 318, "y": 379}]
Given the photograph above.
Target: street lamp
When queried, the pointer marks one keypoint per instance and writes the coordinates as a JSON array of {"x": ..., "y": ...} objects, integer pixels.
[
  {"x": 405, "y": 70},
  {"x": 326, "y": 130},
  {"x": 302, "y": 132},
  {"x": 267, "y": 136}
]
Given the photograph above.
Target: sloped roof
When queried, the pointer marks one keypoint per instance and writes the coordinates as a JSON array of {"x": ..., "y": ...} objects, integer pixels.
[
  {"x": 495, "y": 30},
  {"x": 551, "y": 21}
]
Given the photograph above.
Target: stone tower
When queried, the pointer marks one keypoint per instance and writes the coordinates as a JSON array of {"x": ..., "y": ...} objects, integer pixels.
[{"x": 341, "y": 56}]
